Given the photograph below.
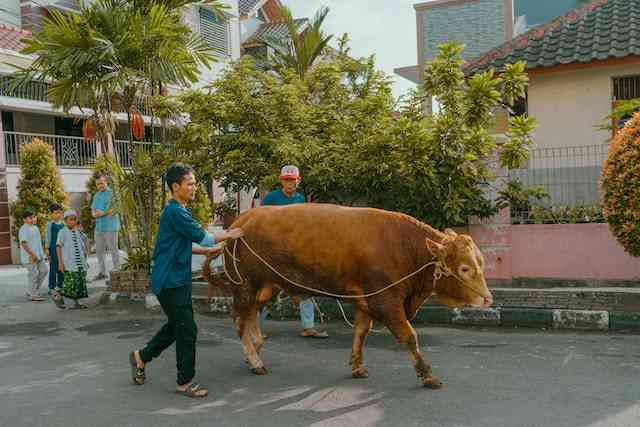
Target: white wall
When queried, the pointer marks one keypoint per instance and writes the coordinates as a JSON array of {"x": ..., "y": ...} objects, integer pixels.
[{"x": 569, "y": 105}]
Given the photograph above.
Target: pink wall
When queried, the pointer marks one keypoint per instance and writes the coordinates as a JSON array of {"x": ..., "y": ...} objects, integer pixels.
[
  {"x": 562, "y": 251},
  {"x": 570, "y": 251}
]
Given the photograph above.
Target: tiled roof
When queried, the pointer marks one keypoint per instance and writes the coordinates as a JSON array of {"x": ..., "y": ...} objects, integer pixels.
[
  {"x": 246, "y": 6},
  {"x": 10, "y": 38},
  {"x": 276, "y": 30},
  {"x": 602, "y": 29}
]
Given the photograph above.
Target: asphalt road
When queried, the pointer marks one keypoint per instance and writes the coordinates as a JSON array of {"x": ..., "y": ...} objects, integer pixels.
[{"x": 70, "y": 369}]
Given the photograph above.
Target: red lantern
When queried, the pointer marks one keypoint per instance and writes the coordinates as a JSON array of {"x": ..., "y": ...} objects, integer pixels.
[
  {"x": 88, "y": 130},
  {"x": 137, "y": 124}
]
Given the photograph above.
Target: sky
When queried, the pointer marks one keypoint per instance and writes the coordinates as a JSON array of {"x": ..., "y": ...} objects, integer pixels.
[{"x": 386, "y": 28}]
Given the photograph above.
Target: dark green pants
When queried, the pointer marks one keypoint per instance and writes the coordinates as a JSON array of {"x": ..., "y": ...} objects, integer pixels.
[{"x": 180, "y": 327}]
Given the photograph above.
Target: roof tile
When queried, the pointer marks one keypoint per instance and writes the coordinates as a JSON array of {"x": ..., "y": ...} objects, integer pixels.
[{"x": 601, "y": 29}]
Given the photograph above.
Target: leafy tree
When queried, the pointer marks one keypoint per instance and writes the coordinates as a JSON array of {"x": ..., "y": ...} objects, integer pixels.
[
  {"x": 340, "y": 126},
  {"x": 39, "y": 186},
  {"x": 621, "y": 186}
]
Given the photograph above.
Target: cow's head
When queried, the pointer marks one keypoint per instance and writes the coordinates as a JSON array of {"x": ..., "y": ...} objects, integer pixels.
[{"x": 466, "y": 286}]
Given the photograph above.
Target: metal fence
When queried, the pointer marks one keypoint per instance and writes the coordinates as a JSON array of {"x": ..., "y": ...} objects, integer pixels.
[
  {"x": 569, "y": 174},
  {"x": 125, "y": 158},
  {"x": 38, "y": 91},
  {"x": 70, "y": 151}
]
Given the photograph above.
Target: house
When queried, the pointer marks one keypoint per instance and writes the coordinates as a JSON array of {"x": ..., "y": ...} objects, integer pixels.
[
  {"x": 478, "y": 24},
  {"x": 579, "y": 64},
  {"x": 27, "y": 113}
]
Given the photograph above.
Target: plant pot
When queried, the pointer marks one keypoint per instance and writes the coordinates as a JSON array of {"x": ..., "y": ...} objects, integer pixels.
[{"x": 129, "y": 282}]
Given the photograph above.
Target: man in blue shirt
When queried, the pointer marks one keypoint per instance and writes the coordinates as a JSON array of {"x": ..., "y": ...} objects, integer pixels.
[
  {"x": 287, "y": 195},
  {"x": 107, "y": 225},
  {"x": 171, "y": 280}
]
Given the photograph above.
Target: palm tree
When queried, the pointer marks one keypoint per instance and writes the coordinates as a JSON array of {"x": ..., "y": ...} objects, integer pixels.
[
  {"x": 302, "y": 47},
  {"x": 114, "y": 52}
]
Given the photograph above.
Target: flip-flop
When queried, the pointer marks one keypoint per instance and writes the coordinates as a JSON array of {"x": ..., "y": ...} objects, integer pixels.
[
  {"x": 192, "y": 391},
  {"x": 320, "y": 335},
  {"x": 137, "y": 374}
]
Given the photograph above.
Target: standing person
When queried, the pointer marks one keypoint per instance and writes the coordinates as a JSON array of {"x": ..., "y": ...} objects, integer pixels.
[
  {"x": 51, "y": 231},
  {"x": 287, "y": 195},
  {"x": 171, "y": 281},
  {"x": 32, "y": 254},
  {"x": 107, "y": 225},
  {"x": 72, "y": 260}
]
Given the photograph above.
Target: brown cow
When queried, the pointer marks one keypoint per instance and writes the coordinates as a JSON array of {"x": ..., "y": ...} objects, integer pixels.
[{"x": 351, "y": 251}]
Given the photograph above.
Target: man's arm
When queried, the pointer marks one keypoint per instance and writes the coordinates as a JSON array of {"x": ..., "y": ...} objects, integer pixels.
[
  {"x": 27, "y": 248},
  {"x": 214, "y": 252},
  {"x": 60, "y": 262}
]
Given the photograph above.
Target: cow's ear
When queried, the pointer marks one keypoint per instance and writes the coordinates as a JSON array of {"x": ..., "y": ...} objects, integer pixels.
[
  {"x": 449, "y": 232},
  {"x": 435, "y": 248}
]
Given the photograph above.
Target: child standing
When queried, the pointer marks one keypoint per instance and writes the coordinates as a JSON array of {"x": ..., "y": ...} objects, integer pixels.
[
  {"x": 52, "y": 229},
  {"x": 32, "y": 254},
  {"x": 72, "y": 260}
]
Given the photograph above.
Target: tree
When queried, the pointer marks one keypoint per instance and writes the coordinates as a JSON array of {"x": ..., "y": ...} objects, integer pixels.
[
  {"x": 302, "y": 47},
  {"x": 340, "y": 126},
  {"x": 620, "y": 183},
  {"x": 40, "y": 184}
]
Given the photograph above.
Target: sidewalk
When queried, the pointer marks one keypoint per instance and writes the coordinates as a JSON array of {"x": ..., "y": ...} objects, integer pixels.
[{"x": 13, "y": 280}]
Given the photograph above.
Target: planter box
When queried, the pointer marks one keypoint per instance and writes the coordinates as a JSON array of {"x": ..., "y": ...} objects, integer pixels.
[{"x": 129, "y": 282}]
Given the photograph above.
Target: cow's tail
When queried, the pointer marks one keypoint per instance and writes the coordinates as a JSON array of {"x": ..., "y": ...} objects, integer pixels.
[{"x": 216, "y": 284}]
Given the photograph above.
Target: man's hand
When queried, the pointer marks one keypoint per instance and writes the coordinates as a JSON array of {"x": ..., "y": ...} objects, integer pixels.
[
  {"x": 60, "y": 267},
  {"x": 235, "y": 233},
  {"x": 33, "y": 258},
  {"x": 213, "y": 252}
]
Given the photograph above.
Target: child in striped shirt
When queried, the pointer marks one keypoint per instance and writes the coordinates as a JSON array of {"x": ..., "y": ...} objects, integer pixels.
[{"x": 72, "y": 260}]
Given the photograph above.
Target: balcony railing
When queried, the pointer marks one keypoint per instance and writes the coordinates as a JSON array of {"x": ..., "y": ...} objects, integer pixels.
[
  {"x": 70, "y": 151},
  {"x": 38, "y": 91}
]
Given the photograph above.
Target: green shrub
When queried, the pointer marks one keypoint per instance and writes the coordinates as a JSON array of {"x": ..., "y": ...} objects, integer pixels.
[
  {"x": 39, "y": 186},
  {"x": 621, "y": 186}
]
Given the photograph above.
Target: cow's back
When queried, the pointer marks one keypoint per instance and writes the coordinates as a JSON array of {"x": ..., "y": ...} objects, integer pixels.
[{"x": 322, "y": 245}]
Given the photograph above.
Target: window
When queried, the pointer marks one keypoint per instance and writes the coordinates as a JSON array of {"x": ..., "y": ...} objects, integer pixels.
[
  {"x": 215, "y": 32},
  {"x": 626, "y": 88}
]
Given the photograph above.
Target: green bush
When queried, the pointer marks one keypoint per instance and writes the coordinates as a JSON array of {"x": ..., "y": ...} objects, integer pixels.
[
  {"x": 621, "y": 186},
  {"x": 39, "y": 186}
]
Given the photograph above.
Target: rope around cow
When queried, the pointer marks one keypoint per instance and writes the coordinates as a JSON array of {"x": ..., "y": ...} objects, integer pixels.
[{"x": 440, "y": 270}]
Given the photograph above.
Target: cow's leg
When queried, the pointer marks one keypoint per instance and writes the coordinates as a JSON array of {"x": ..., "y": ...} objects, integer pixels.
[
  {"x": 406, "y": 335},
  {"x": 362, "y": 326},
  {"x": 264, "y": 296},
  {"x": 245, "y": 325}
]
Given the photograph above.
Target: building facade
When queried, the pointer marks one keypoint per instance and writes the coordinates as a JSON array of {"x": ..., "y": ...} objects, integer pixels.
[{"x": 27, "y": 113}]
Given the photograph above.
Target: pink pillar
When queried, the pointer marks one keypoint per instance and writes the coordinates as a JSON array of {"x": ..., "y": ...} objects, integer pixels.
[{"x": 493, "y": 235}]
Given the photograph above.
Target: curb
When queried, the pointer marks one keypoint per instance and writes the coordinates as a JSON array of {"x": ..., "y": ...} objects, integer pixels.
[{"x": 514, "y": 317}]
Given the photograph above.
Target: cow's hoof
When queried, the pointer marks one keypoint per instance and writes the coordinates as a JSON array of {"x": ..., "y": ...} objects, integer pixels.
[
  {"x": 360, "y": 373},
  {"x": 432, "y": 383},
  {"x": 259, "y": 371}
]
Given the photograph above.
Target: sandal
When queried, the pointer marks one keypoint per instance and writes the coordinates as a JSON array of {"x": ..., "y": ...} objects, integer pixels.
[
  {"x": 137, "y": 374},
  {"x": 194, "y": 391},
  {"x": 312, "y": 333}
]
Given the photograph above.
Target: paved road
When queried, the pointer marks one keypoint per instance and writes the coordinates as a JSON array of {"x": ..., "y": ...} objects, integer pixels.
[{"x": 70, "y": 369}]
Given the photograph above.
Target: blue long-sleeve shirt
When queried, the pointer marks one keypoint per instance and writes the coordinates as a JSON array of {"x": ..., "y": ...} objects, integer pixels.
[{"x": 171, "y": 261}]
